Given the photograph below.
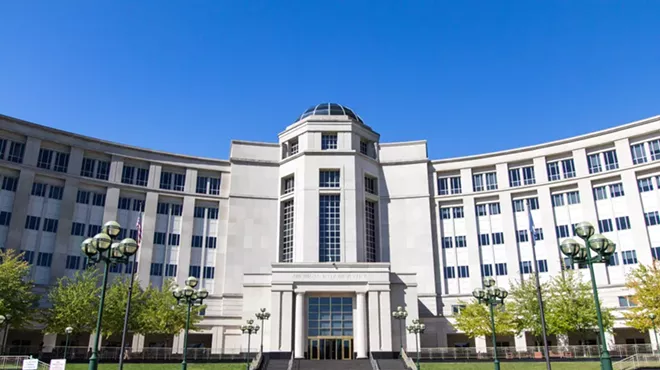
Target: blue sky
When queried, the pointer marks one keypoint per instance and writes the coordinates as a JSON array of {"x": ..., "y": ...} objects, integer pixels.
[{"x": 468, "y": 76}]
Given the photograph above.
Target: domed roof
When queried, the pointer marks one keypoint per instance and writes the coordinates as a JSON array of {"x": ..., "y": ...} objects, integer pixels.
[{"x": 330, "y": 109}]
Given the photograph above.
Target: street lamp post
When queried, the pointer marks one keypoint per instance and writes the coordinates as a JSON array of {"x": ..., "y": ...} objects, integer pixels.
[
  {"x": 190, "y": 297},
  {"x": 417, "y": 328},
  {"x": 105, "y": 248},
  {"x": 68, "y": 331},
  {"x": 582, "y": 254},
  {"x": 249, "y": 329},
  {"x": 491, "y": 296},
  {"x": 655, "y": 331},
  {"x": 400, "y": 315},
  {"x": 262, "y": 315}
]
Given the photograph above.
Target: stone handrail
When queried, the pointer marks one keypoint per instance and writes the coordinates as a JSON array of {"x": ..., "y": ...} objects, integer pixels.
[
  {"x": 374, "y": 363},
  {"x": 256, "y": 361},
  {"x": 410, "y": 364},
  {"x": 290, "y": 362}
]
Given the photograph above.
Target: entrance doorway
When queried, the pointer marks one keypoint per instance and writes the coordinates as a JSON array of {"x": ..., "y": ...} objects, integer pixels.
[{"x": 331, "y": 349}]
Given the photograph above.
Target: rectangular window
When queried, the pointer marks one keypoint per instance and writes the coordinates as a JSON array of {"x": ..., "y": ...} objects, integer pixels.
[
  {"x": 455, "y": 183},
  {"x": 103, "y": 170},
  {"x": 28, "y": 256},
  {"x": 93, "y": 230},
  {"x": 38, "y": 189},
  {"x": 638, "y": 153},
  {"x": 611, "y": 160},
  {"x": 568, "y": 167},
  {"x": 484, "y": 239},
  {"x": 44, "y": 259},
  {"x": 124, "y": 203},
  {"x": 538, "y": 234},
  {"x": 328, "y": 141},
  {"x": 463, "y": 271},
  {"x": 652, "y": 218},
  {"x": 655, "y": 253},
  {"x": 194, "y": 271},
  {"x": 211, "y": 242},
  {"x": 16, "y": 151},
  {"x": 480, "y": 209},
  {"x": 613, "y": 260},
  {"x": 553, "y": 171},
  {"x": 450, "y": 272},
  {"x": 72, "y": 262},
  {"x": 329, "y": 178},
  {"x": 32, "y": 222},
  {"x": 5, "y": 218},
  {"x": 371, "y": 185},
  {"x": 55, "y": 192},
  {"x": 557, "y": 200},
  {"x": 128, "y": 174},
  {"x": 170, "y": 270},
  {"x": 460, "y": 241},
  {"x": 573, "y": 197},
  {"x": 174, "y": 239},
  {"x": 214, "y": 185},
  {"x": 209, "y": 272},
  {"x": 160, "y": 238},
  {"x": 533, "y": 203},
  {"x": 138, "y": 205},
  {"x": 288, "y": 184},
  {"x": 491, "y": 181},
  {"x": 142, "y": 177},
  {"x": 371, "y": 214},
  {"x": 528, "y": 175},
  {"x": 486, "y": 270},
  {"x": 626, "y": 302},
  {"x": 600, "y": 193},
  {"x": 87, "y": 168},
  {"x": 212, "y": 213},
  {"x": 494, "y": 208},
  {"x": 457, "y": 212},
  {"x": 605, "y": 226},
  {"x": 654, "y": 149},
  {"x": 629, "y": 257},
  {"x": 9, "y": 183},
  {"x": 478, "y": 182},
  {"x": 522, "y": 236},
  {"x": 616, "y": 190},
  {"x": 518, "y": 205},
  {"x": 179, "y": 182},
  {"x": 498, "y": 238},
  {"x": 645, "y": 185},
  {"x": 82, "y": 197},
  {"x": 500, "y": 269},
  {"x": 50, "y": 225},
  {"x": 526, "y": 267},
  {"x": 593, "y": 160},
  {"x": 156, "y": 269},
  {"x": 45, "y": 158},
  {"x": 166, "y": 180},
  {"x": 623, "y": 223},
  {"x": 329, "y": 228},
  {"x": 445, "y": 213},
  {"x": 115, "y": 268},
  {"x": 98, "y": 199},
  {"x": 61, "y": 162},
  {"x": 447, "y": 242},
  {"x": 164, "y": 209},
  {"x": 542, "y": 265},
  {"x": 443, "y": 186},
  {"x": 202, "y": 183},
  {"x": 295, "y": 146},
  {"x": 197, "y": 241},
  {"x": 287, "y": 231},
  {"x": 199, "y": 212},
  {"x": 363, "y": 147},
  {"x": 78, "y": 229},
  {"x": 514, "y": 177}
]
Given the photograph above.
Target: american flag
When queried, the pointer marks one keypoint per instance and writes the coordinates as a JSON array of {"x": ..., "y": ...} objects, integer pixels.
[
  {"x": 532, "y": 229},
  {"x": 138, "y": 227}
]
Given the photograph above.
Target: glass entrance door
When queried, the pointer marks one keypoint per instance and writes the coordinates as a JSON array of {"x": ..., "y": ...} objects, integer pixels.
[{"x": 331, "y": 348}]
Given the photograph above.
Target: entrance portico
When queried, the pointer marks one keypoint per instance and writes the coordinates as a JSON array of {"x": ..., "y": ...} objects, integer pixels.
[{"x": 327, "y": 311}]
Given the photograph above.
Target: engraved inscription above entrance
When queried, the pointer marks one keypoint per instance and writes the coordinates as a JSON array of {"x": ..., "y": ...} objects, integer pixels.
[{"x": 328, "y": 276}]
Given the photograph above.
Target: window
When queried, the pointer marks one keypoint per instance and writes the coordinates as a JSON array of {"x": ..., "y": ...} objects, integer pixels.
[
  {"x": 567, "y": 264},
  {"x": 51, "y": 159},
  {"x": 294, "y": 146},
  {"x": 170, "y": 270},
  {"x": 211, "y": 242},
  {"x": 194, "y": 271},
  {"x": 494, "y": 208},
  {"x": 93, "y": 230},
  {"x": 553, "y": 171},
  {"x": 174, "y": 239},
  {"x": 212, "y": 213},
  {"x": 478, "y": 182},
  {"x": 98, "y": 199},
  {"x": 38, "y": 189},
  {"x": 82, "y": 197},
  {"x": 95, "y": 168},
  {"x": 45, "y": 158},
  {"x": 363, "y": 147},
  {"x": 600, "y": 193},
  {"x": 605, "y": 226},
  {"x": 528, "y": 175},
  {"x": 209, "y": 272},
  {"x": 135, "y": 175},
  {"x": 457, "y": 308},
  {"x": 610, "y": 159},
  {"x": 562, "y": 231},
  {"x": 518, "y": 205},
  {"x": 28, "y": 256},
  {"x": 9, "y": 183},
  {"x": 645, "y": 185},
  {"x": 87, "y": 168},
  {"x": 16, "y": 151},
  {"x": 288, "y": 184},
  {"x": 329, "y": 178},
  {"x": 156, "y": 269},
  {"x": 568, "y": 168},
  {"x": 124, "y": 203},
  {"x": 500, "y": 269},
  {"x": 593, "y": 160},
  {"x": 455, "y": 183},
  {"x": 78, "y": 229},
  {"x": 371, "y": 212},
  {"x": 526, "y": 267},
  {"x": 196, "y": 241},
  {"x": 55, "y": 192},
  {"x": 447, "y": 242},
  {"x": 449, "y": 185},
  {"x": 655, "y": 252},
  {"x": 329, "y": 228},
  {"x": 445, "y": 213},
  {"x": 160, "y": 238},
  {"x": 486, "y": 270},
  {"x": 5, "y": 218},
  {"x": 72, "y": 262},
  {"x": 573, "y": 197},
  {"x": 371, "y": 185},
  {"x": 557, "y": 200},
  {"x": 622, "y": 223},
  {"x": 457, "y": 212},
  {"x": 481, "y": 210},
  {"x": 287, "y": 231},
  {"x": 328, "y": 141},
  {"x": 484, "y": 239},
  {"x": 172, "y": 181},
  {"x": 627, "y": 302},
  {"x": 654, "y": 149},
  {"x": 498, "y": 238},
  {"x": 207, "y": 185},
  {"x": 613, "y": 260},
  {"x": 463, "y": 271},
  {"x": 44, "y": 259},
  {"x": 50, "y": 225},
  {"x": 460, "y": 241},
  {"x": 491, "y": 181},
  {"x": 443, "y": 185},
  {"x": 638, "y": 153},
  {"x": 32, "y": 222},
  {"x": 538, "y": 234},
  {"x": 514, "y": 177},
  {"x": 542, "y": 265},
  {"x": 629, "y": 257},
  {"x": 522, "y": 236},
  {"x": 616, "y": 190},
  {"x": 450, "y": 272}
]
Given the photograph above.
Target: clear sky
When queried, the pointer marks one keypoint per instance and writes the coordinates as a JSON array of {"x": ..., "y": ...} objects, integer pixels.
[{"x": 468, "y": 76}]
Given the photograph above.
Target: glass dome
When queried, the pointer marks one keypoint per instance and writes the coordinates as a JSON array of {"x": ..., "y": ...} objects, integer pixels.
[{"x": 330, "y": 109}]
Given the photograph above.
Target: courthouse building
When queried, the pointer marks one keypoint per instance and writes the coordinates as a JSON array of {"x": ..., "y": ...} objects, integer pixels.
[{"x": 330, "y": 229}]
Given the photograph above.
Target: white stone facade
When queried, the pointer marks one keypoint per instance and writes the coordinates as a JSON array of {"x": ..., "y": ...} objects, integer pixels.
[{"x": 329, "y": 211}]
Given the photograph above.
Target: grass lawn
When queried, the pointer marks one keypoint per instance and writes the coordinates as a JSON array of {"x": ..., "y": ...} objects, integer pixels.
[
  {"x": 511, "y": 366},
  {"x": 191, "y": 366}
]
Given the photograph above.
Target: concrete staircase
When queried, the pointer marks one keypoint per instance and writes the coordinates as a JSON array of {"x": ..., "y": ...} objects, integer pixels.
[
  {"x": 332, "y": 365},
  {"x": 276, "y": 364},
  {"x": 391, "y": 364}
]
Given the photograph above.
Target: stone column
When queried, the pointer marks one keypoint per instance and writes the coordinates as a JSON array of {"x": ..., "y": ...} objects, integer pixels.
[
  {"x": 361, "y": 325},
  {"x": 300, "y": 325}
]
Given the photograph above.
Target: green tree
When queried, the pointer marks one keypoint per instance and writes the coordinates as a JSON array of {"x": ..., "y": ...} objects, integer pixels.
[
  {"x": 17, "y": 299},
  {"x": 474, "y": 320},
  {"x": 160, "y": 313},
  {"x": 114, "y": 308},
  {"x": 644, "y": 281},
  {"x": 524, "y": 306},
  {"x": 571, "y": 307},
  {"x": 73, "y": 302}
]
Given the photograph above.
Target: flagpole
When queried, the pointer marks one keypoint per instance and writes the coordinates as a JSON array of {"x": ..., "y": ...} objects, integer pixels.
[
  {"x": 127, "y": 313},
  {"x": 539, "y": 296}
]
